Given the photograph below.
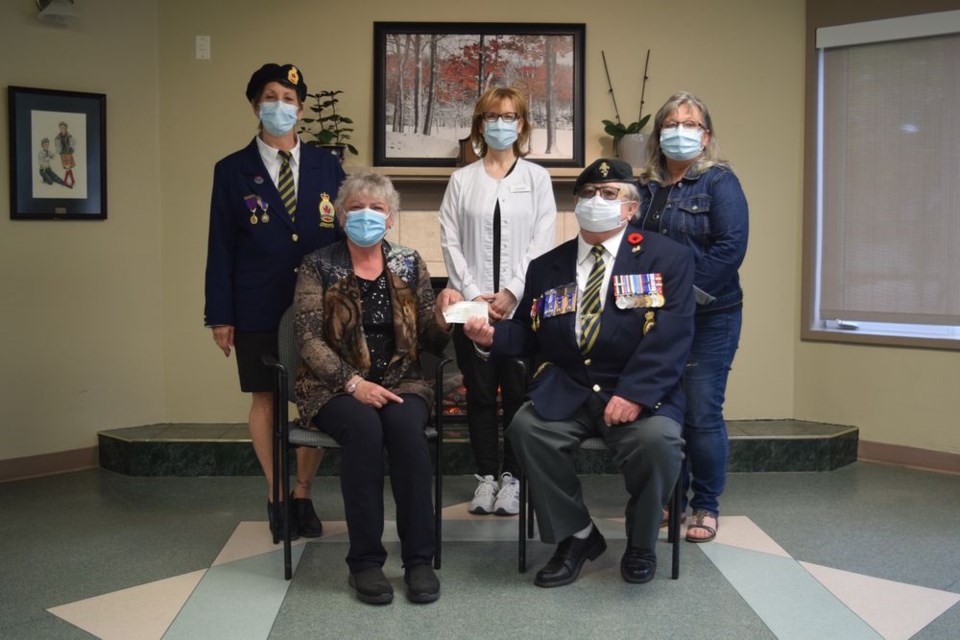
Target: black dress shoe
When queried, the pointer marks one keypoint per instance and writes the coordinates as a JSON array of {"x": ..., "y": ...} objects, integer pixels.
[
  {"x": 275, "y": 518},
  {"x": 307, "y": 522},
  {"x": 423, "y": 586},
  {"x": 564, "y": 566},
  {"x": 371, "y": 586},
  {"x": 638, "y": 565}
]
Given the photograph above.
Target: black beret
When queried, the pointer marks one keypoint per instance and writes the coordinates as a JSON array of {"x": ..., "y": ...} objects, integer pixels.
[
  {"x": 604, "y": 170},
  {"x": 287, "y": 75}
]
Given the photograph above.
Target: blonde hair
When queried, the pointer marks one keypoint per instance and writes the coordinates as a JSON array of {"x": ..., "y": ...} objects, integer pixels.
[
  {"x": 494, "y": 96},
  {"x": 656, "y": 169}
]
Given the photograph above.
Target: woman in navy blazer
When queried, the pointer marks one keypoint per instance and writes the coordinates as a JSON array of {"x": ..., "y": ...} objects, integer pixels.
[{"x": 271, "y": 205}]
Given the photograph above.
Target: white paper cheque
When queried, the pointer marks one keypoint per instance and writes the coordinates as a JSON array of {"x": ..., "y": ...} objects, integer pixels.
[{"x": 460, "y": 312}]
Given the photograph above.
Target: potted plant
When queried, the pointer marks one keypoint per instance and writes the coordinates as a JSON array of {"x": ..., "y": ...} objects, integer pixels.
[
  {"x": 629, "y": 142},
  {"x": 329, "y": 128}
]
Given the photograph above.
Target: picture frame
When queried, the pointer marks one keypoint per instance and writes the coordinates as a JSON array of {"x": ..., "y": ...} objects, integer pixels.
[
  {"x": 428, "y": 75},
  {"x": 58, "y": 154}
]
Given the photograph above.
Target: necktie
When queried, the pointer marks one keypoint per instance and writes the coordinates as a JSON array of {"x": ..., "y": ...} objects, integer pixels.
[
  {"x": 590, "y": 305},
  {"x": 285, "y": 184}
]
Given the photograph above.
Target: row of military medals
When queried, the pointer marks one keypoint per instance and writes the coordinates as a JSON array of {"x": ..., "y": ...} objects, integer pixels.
[{"x": 254, "y": 202}]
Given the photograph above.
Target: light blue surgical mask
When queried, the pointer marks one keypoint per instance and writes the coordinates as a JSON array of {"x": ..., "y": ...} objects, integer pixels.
[
  {"x": 500, "y": 135},
  {"x": 365, "y": 227},
  {"x": 598, "y": 215},
  {"x": 680, "y": 143},
  {"x": 278, "y": 118}
]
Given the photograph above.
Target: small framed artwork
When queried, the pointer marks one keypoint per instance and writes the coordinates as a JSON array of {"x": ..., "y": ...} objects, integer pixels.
[
  {"x": 428, "y": 76},
  {"x": 58, "y": 155}
]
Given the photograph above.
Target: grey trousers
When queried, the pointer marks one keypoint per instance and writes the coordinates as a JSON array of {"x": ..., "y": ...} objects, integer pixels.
[{"x": 648, "y": 452}]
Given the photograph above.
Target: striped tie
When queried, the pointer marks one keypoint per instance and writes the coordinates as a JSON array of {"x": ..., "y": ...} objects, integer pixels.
[
  {"x": 285, "y": 184},
  {"x": 590, "y": 305}
]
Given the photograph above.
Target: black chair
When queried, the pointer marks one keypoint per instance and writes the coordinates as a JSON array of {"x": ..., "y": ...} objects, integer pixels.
[
  {"x": 526, "y": 520},
  {"x": 290, "y": 434}
]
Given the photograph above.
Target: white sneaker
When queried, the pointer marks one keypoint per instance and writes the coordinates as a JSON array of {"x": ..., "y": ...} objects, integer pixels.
[
  {"x": 508, "y": 498},
  {"x": 484, "y": 496}
]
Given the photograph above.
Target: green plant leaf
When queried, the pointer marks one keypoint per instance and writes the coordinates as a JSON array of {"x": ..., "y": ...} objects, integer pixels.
[{"x": 614, "y": 129}]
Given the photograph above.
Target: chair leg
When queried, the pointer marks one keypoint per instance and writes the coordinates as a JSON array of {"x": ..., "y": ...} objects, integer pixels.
[
  {"x": 287, "y": 513},
  {"x": 522, "y": 533},
  {"x": 438, "y": 502},
  {"x": 673, "y": 528}
]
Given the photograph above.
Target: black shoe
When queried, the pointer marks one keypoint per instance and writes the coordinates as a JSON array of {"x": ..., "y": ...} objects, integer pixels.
[
  {"x": 638, "y": 565},
  {"x": 564, "y": 566},
  {"x": 275, "y": 518},
  {"x": 371, "y": 586},
  {"x": 306, "y": 520},
  {"x": 423, "y": 586}
]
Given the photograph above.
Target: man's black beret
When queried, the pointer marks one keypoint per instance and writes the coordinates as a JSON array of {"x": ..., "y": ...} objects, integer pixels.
[
  {"x": 287, "y": 75},
  {"x": 604, "y": 170}
]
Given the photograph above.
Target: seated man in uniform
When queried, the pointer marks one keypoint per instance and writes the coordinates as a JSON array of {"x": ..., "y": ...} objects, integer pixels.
[{"x": 609, "y": 318}]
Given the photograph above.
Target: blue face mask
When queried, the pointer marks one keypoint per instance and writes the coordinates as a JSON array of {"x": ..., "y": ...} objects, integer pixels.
[
  {"x": 365, "y": 227},
  {"x": 598, "y": 215},
  {"x": 500, "y": 135},
  {"x": 680, "y": 143},
  {"x": 278, "y": 118}
]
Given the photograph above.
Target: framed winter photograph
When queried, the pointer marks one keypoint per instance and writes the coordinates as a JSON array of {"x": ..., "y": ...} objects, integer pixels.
[
  {"x": 58, "y": 155},
  {"x": 428, "y": 76}
]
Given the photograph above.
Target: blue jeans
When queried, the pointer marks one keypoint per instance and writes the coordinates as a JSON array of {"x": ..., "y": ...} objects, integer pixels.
[{"x": 715, "y": 342}]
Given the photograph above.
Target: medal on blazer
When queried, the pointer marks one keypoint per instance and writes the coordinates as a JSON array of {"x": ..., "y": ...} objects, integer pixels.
[
  {"x": 536, "y": 309},
  {"x": 253, "y": 203},
  {"x": 326, "y": 211},
  {"x": 638, "y": 290},
  {"x": 560, "y": 300},
  {"x": 648, "y": 322}
]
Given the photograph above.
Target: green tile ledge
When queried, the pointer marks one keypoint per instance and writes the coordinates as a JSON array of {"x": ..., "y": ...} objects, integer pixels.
[{"x": 225, "y": 449}]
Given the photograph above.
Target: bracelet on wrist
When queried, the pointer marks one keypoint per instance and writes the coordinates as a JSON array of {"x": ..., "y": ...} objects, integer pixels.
[{"x": 351, "y": 387}]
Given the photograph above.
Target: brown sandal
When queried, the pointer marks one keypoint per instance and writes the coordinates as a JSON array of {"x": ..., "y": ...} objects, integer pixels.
[{"x": 698, "y": 517}]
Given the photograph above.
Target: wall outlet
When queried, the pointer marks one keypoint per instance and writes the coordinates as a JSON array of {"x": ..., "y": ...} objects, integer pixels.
[{"x": 203, "y": 48}]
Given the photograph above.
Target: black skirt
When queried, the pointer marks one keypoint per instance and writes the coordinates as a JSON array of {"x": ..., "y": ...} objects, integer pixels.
[{"x": 250, "y": 347}]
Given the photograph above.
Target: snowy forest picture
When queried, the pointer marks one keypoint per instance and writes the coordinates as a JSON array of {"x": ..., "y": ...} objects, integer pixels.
[{"x": 429, "y": 75}]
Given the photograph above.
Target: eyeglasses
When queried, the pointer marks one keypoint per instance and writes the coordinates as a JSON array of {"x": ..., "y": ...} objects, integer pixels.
[
  {"x": 688, "y": 124},
  {"x": 607, "y": 193},
  {"x": 510, "y": 116}
]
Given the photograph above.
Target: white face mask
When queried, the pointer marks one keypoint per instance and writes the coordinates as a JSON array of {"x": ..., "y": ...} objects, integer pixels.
[{"x": 598, "y": 215}]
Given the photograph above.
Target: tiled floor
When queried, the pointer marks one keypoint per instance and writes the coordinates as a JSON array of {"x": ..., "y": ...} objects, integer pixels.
[{"x": 866, "y": 551}]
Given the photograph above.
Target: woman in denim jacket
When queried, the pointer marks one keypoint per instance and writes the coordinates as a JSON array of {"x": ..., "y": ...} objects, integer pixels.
[{"x": 691, "y": 194}]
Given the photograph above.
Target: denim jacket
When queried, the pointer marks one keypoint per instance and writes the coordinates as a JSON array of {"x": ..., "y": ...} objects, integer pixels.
[{"x": 708, "y": 213}]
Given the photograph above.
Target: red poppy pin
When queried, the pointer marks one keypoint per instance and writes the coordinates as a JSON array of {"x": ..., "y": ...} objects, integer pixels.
[{"x": 635, "y": 239}]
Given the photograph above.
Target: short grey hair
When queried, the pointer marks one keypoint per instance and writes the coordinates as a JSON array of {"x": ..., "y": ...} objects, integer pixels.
[
  {"x": 630, "y": 191},
  {"x": 369, "y": 183}
]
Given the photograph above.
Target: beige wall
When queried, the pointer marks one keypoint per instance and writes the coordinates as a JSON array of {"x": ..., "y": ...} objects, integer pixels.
[
  {"x": 203, "y": 112},
  {"x": 81, "y": 316},
  {"x": 109, "y": 315}
]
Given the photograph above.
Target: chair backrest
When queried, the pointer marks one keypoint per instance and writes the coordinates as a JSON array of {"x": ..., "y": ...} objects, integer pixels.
[{"x": 288, "y": 353}]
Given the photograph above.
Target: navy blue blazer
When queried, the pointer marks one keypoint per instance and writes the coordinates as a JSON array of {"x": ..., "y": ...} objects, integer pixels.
[
  {"x": 646, "y": 369},
  {"x": 252, "y": 268}
]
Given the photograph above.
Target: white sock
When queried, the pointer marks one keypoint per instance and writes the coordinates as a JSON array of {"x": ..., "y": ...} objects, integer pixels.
[{"x": 583, "y": 533}]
